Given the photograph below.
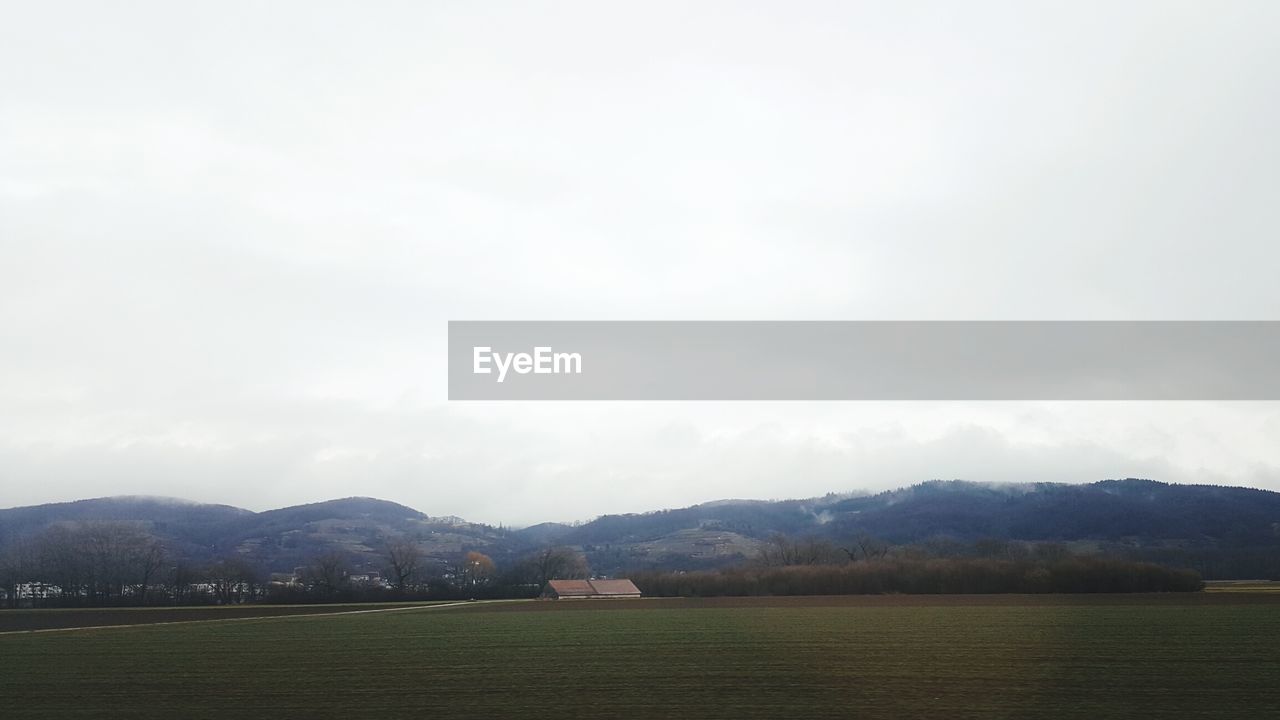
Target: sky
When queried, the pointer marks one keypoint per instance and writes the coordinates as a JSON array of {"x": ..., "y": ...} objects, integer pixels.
[{"x": 232, "y": 234}]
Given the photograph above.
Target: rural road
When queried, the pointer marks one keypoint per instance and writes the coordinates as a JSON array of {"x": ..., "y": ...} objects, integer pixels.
[{"x": 257, "y": 617}]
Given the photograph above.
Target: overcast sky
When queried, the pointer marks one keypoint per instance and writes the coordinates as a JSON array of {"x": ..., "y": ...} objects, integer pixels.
[{"x": 231, "y": 235}]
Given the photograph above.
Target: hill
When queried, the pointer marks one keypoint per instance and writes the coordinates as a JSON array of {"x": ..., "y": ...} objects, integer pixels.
[
  {"x": 1224, "y": 532},
  {"x": 275, "y": 540},
  {"x": 1111, "y": 510},
  {"x": 196, "y": 523}
]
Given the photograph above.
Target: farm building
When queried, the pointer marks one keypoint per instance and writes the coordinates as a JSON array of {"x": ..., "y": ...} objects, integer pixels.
[{"x": 587, "y": 589}]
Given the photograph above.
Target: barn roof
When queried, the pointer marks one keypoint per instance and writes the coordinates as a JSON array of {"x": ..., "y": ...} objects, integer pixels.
[
  {"x": 571, "y": 587},
  {"x": 592, "y": 588},
  {"x": 615, "y": 587}
]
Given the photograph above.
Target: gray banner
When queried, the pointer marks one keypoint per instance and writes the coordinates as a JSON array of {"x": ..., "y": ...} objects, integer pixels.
[{"x": 864, "y": 360}]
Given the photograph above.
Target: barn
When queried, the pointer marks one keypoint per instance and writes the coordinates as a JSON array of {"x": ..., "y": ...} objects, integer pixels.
[{"x": 589, "y": 589}]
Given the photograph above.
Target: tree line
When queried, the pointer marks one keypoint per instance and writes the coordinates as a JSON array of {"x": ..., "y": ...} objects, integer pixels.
[
  {"x": 116, "y": 563},
  {"x": 787, "y": 566},
  {"x": 95, "y": 564}
]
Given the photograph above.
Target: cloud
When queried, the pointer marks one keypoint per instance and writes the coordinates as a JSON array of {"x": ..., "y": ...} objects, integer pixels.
[
  {"x": 231, "y": 240},
  {"x": 576, "y": 462}
]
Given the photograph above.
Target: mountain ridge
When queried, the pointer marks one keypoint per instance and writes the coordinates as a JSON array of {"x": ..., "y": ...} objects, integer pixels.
[{"x": 1232, "y": 529}]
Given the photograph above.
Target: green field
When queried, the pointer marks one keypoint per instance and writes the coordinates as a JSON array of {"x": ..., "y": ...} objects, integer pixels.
[{"x": 1183, "y": 656}]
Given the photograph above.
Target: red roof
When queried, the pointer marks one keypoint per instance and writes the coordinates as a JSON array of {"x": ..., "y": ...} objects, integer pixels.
[
  {"x": 592, "y": 588},
  {"x": 615, "y": 587},
  {"x": 571, "y": 587}
]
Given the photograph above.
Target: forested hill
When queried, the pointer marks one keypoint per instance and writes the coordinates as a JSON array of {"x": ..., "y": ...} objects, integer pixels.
[
  {"x": 275, "y": 540},
  {"x": 1114, "y": 510},
  {"x": 1222, "y": 531},
  {"x": 1107, "y": 510}
]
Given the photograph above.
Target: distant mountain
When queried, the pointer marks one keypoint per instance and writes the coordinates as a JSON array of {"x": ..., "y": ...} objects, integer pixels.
[
  {"x": 196, "y": 521},
  {"x": 547, "y": 532},
  {"x": 1131, "y": 510},
  {"x": 1221, "y": 531},
  {"x": 277, "y": 540}
]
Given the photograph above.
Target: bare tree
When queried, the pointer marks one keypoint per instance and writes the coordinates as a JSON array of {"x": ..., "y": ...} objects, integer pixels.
[
  {"x": 17, "y": 566},
  {"x": 234, "y": 580},
  {"x": 148, "y": 556},
  {"x": 182, "y": 576},
  {"x": 404, "y": 561},
  {"x": 328, "y": 574},
  {"x": 866, "y": 547},
  {"x": 100, "y": 563},
  {"x": 1051, "y": 552},
  {"x": 553, "y": 563},
  {"x": 782, "y": 550},
  {"x": 65, "y": 565}
]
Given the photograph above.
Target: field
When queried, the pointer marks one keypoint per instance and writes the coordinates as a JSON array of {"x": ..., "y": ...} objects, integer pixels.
[
  {"x": 1184, "y": 656},
  {"x": 1243, "y": 586},
  {"x": 16, "y": 620}
]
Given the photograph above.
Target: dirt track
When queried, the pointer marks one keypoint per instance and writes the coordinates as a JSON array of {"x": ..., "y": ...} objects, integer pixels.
[
  {"x": 13, "y": 621},
  {"x": 91, "y": 618},
  {"x": 1009, "y": 600}
]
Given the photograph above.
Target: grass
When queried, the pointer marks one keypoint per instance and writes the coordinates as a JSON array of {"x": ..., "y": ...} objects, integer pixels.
[{"x": 994, "y": 657}]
